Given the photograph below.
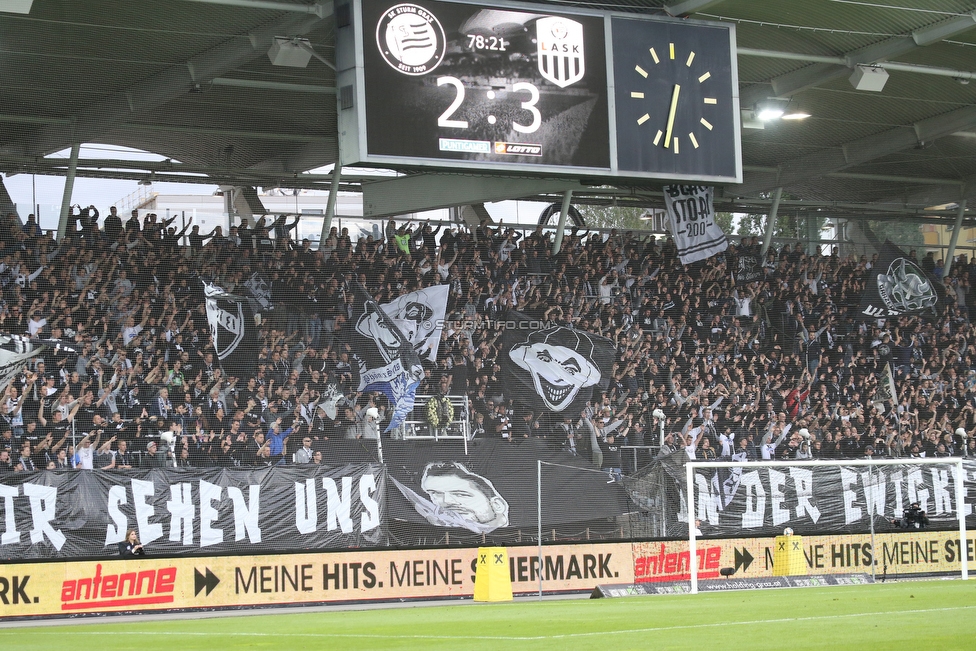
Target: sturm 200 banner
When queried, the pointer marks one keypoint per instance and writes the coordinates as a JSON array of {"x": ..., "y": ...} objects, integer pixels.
[{"x": 203, "y": 512}]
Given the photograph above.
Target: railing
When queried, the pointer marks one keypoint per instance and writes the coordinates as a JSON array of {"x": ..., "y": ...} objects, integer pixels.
[
  {"x": 416, "y": 427},
  {"x": 137, "y": 199}
]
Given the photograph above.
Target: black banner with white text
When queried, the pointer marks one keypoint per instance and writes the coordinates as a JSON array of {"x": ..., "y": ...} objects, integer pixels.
[
  {"x": 74, "y": 514},
  {"x": 749, "y": 500}
]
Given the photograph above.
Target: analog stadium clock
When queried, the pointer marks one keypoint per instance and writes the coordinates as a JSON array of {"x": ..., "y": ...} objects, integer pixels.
[{"x": 676, "y": 104}]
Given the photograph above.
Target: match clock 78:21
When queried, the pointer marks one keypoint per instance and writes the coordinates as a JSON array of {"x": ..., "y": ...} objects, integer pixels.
[{"x": 676, "y": 108}]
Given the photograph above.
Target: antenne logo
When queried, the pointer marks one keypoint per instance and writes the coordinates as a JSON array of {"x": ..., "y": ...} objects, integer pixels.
[
  {"x": 674, "y": 566},
  {"x": 560, "y": 45},
  {"x": 154, "y": 586},
  {"x": 411, "y": 39}
]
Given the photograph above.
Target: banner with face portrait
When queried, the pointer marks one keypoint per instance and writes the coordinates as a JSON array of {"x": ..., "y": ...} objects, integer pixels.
[
  {"x": 233, "y": 331},
  {"x": 553, "y": 369},
  {"x": 493, "y": 488},
  {"x": 383, "y": 358},
  {"x": 898, "y": 286},
  {"x": 420, "y": 317}
]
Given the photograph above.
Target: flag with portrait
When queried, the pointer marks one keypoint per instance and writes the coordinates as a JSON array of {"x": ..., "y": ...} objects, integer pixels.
[
  {"x": 553, "y": 368},
  {"x": 383, "y": 358},
  {"x": 420, "y": 317}
]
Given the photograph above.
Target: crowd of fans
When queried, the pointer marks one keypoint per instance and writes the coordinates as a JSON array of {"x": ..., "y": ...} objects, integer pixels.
[{"x": 779, "y": 368}]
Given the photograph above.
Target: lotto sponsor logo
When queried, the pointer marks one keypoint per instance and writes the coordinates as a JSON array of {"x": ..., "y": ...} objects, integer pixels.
[
  {"x": 518, "y": 149},
  {"x": 126, "y": 589}
]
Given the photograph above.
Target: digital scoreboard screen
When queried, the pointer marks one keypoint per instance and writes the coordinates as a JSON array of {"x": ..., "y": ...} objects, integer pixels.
[
  {"x": 523, "y": 88},
  {"x": 461, "y": 82}
]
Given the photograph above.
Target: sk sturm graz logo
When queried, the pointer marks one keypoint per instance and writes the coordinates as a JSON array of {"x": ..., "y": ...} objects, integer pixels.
[
  {"x": 905, "y": 287},
  {"x": 560, "y": 42},
  {"x": 411, "y": 39},
  {"x": 560, "y": 364}
]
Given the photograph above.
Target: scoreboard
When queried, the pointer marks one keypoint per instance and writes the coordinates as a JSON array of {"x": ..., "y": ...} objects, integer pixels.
[{"x": 531, "y": 89}]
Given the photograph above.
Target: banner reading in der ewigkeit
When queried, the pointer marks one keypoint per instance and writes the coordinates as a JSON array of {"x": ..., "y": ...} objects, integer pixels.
[
  {"x": 762, "y": 500},
  {"x": 691, "y": 221}
]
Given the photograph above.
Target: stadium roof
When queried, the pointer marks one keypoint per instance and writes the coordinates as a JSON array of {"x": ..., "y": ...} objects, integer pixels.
[{"x": 192, "y": 80}]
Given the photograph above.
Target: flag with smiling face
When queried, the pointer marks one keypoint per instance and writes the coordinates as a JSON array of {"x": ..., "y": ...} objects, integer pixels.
[{"x": 553, "y": 369}]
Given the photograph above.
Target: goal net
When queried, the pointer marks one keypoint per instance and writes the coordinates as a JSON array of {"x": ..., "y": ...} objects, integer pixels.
[{"x": 886, "y": 518}]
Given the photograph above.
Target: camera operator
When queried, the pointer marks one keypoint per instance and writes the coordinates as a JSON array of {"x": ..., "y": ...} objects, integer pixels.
[{"x": 913, "y": 518}]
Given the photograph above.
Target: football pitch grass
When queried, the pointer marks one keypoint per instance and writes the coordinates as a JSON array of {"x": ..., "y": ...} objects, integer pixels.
[{"x": 910, "y": 615}]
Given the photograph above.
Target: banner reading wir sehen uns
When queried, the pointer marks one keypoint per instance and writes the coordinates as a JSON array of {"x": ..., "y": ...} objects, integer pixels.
[{"x": 178, "y": 512}]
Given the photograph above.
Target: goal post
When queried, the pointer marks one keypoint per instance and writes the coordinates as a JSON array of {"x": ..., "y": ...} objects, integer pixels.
[{"x": 863, "y": 491}]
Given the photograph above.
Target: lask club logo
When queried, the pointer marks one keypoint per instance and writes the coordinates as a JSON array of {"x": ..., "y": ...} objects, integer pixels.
[
  {"x": 560, "y": 43},
  {"x": 227, "y": 327}
]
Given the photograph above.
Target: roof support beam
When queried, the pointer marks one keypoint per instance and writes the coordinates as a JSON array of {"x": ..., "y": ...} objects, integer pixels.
[
  {"x": 841, "y": 61},
  {"x": 319, "y": 9},
  {"x": 274, "y": 85},
  {"x": 108, "y": 113},
  {"x": 819, "y": 73},
  {"x": 860, "y": 151},
  {"x": 420, "y": 192},
  {"x": 226, "y": 133},
  {"x": 689, "y": 7}
]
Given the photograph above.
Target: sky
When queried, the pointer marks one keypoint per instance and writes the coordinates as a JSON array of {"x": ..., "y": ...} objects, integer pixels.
[{"x": 28, "y": 190}]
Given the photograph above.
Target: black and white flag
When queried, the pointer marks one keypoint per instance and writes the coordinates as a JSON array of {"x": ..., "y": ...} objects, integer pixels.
[
  {"x": 553, "y": 368},
  {"x": 886, "y": 391},
  {"x": 420, "y": 317},
  {"x": 15, "y": 352},
  {"x": 232, "y": 329},
  {"x": 691, "y": 220},
  {"x": 749, "y": 267},
  {"x": 259, "y": 292},
  {"x": 897, "y": 286},
  {"x": 329, "y": 399},
  {"x": 383, "y": 356}
]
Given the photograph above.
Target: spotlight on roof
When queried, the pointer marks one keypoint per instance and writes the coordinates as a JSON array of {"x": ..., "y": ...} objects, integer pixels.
[
  {"x": 771, "y": 109},
  {"x": 795, "y": 113},
  {"x": 16, "y": 6},
  {"x": 871, "y": 78},
  {"x": 750, "y": 121},
  {"x": 291, "y": 52}
]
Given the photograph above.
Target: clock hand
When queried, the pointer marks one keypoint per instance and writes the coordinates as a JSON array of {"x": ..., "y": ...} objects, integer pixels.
[{"x": 674, "y": 107}]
